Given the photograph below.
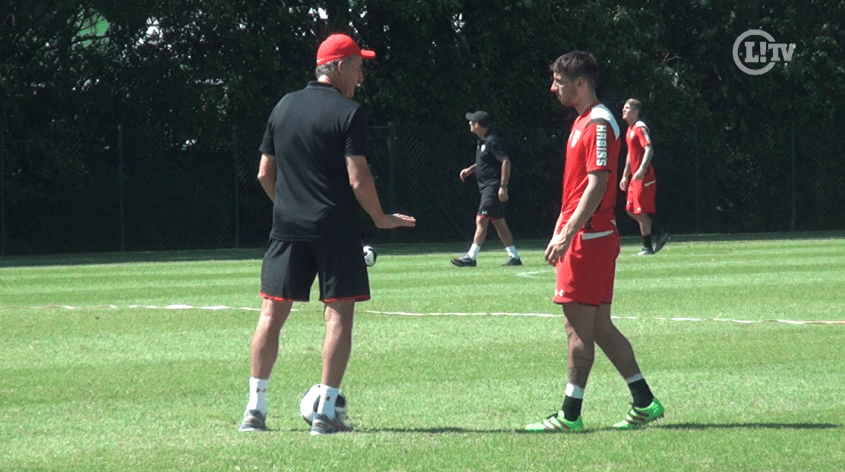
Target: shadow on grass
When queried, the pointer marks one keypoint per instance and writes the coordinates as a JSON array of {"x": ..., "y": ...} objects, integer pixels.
[
  {"x": 699, "y": 426},
  {"x": 443, "y": 430},
  {"x": 679, "y": 426},
  {"x": 363, "y": 430}
]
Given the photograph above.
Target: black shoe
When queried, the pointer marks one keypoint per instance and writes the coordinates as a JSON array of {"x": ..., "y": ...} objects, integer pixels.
[
  {"x": 513, "y": 261},
  {"x": 465, "y": 261},
  {"x": 661, "y": 241}
]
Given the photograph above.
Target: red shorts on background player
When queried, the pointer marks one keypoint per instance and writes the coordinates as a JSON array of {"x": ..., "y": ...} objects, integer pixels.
[{"x": 638, "y": 178}]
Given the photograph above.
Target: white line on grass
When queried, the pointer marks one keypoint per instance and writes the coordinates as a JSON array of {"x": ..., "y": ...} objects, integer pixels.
[
  {"x": 548, "y": 315},
  {"x": 535, "y": 273},
  {"x": 405, "y": 313},
  {"x": 181, "y": 306}
]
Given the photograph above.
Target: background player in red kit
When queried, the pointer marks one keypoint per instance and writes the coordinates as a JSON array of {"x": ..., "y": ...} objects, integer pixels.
[
  {"x": 585, "y": 246},
  {"x": 638, "y": 178}
]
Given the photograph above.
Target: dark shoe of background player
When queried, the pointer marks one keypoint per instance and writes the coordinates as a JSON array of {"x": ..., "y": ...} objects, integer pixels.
[
  {"x": 661, "y": 241},
  {"x": 465, "y": 261}
]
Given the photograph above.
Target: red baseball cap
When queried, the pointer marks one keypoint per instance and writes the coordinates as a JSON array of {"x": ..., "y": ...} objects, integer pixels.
[{"x": 339, "y": 46}]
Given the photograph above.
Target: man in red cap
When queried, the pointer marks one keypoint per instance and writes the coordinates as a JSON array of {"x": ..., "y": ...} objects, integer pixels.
[
  {"x": 314, "y": 169},
  {"x": 340, "y": 51}
]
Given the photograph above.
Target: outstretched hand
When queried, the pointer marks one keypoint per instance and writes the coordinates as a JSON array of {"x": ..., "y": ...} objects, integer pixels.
[{"x": 396, "y": 220}]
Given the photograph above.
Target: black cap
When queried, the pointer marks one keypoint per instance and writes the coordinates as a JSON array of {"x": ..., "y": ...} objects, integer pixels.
[{"x": 481, "y": 117}]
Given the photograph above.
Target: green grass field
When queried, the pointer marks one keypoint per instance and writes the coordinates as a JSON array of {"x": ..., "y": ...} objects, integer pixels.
[{"x": 140, "y": 361}]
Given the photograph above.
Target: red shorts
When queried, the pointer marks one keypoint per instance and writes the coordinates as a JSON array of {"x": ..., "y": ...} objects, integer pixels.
[
  {"x": 641, "y": 196},
  {"x": 588, "y": 269}
]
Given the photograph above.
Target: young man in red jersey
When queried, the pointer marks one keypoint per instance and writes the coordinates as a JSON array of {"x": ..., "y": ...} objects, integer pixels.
[
  {"x": 638, "y": 178},
  {"x": 585, "y": 246}
]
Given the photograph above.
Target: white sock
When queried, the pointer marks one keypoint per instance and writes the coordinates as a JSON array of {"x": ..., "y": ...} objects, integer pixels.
[
  {"x": 257, "y": 394},
  {"x": 328, "y": 395},
  {"x": 634, "y": 378},
  {"x": 574, "y": 391},
  {"x": 512, "y": 251},
  {"x": 473, "y": 251}
]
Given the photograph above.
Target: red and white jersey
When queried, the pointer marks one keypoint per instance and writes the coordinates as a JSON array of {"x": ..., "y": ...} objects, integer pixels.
[
  {"x": 593, "y": 146},
  {"x": 637, "y": 138}
]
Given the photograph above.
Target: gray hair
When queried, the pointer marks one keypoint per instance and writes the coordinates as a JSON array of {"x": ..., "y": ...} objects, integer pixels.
[{"x": 329, "y": 68}]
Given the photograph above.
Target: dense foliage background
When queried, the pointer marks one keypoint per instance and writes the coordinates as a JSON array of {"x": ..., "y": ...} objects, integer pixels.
[{"x": 129, "y": 126}]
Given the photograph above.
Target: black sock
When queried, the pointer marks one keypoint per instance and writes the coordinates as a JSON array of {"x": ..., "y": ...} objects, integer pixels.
[
  {"x": 647, "y": 241},
  {"x": 641, "y": 393},
  {"x": 571, "y": 408}
]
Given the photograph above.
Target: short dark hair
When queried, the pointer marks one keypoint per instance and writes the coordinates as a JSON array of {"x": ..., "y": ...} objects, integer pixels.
[
  {"x": 635, "y": 104},
  {"x": 577, "y": 64}
]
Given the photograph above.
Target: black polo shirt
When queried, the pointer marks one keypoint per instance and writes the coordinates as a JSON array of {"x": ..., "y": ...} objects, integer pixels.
[
  {"x": 489, "y": 155},
  {"x": 310, "y": 132}
]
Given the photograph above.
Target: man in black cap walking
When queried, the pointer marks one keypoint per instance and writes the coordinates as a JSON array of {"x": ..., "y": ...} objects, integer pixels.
[{"x": 492, "y": 170}]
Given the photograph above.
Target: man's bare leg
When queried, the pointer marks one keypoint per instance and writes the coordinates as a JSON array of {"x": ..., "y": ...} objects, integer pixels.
[
  {"x": 504, "y": 231},
  {"x": 481, "y": 225},
  {"x": 615, "y": 345},
  {"x": 337, "y": 346},
  {"x": 265, "y": 341}
]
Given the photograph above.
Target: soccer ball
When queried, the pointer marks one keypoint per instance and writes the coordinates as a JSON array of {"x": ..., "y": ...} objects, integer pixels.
[
  {"x": 370, "y": 256},
  {"x": 311, "y": 400}
]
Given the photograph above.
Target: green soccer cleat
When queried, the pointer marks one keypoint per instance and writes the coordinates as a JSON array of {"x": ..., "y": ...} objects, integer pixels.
[
  {"x": 556, "y": 423},
  {"x": 641, "y": 416}
]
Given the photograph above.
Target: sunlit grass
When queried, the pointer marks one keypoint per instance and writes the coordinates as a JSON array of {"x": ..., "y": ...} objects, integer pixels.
[{"x": 140, "y": 362}]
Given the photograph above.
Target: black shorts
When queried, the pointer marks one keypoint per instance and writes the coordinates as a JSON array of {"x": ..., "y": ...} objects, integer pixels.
[
  {"x": 289, "y": 268},
  {"x": 490, "y": 205}
]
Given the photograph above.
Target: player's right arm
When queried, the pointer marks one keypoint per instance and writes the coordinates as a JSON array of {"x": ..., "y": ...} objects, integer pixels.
[
  {"x": 642, "y": 136},
  {"x": 267, "y": 175},
  {"x": 647, "y": 153},
  {"x": 364, "y": 188},
  {"x": 597, "y": 184},
  {"x": 623, "y": 183},
  {"x": 559, "y": 224},
  {"x": 467, "y": 172}
]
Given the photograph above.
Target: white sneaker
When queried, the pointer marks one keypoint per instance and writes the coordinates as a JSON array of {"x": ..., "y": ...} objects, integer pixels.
[{"x": 322, "y": 424}]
